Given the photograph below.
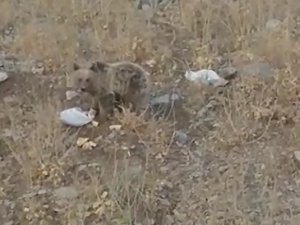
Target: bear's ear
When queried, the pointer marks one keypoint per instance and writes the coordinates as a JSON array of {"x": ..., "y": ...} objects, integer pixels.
[
  {"x": 76, "y": 66},
  {"x": 98, "y": 66}
]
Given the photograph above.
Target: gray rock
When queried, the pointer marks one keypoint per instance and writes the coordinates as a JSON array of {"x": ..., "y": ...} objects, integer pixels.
[
  {"x": 273, "y": 25},
  {"x": 180, "y": 137},
  {"x": 223, "y": 169},
  {"x": 228, "y": 73},
  {"x": 71, "y": 94},
  {"x": 258, "y": 69},
  {"x": 3, "y": 76},
  {"x": 142, "y": 4},
  {"x": 67, "y": 192},
  {"x": 165, "y": 99},
  {"x": 163, "y": 106}
]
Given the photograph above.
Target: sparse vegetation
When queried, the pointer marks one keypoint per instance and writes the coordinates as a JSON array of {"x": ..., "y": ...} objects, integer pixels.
[{"x": 235, "y": 168}]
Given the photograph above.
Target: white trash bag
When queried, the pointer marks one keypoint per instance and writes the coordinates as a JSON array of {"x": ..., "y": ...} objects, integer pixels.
[
  {"x": 207, "y": 77},
  {"x": 75, "y": 117}
]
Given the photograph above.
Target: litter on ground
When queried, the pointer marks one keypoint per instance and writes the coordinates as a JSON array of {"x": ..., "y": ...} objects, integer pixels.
[
  {"x": 75, "y": 117},
  {"x": 207, "y": 77},
  {"x": 85, "y": 143}
]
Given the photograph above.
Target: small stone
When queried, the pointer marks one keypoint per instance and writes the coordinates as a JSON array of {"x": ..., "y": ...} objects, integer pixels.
[
  {"x": 104, "y": 195},
  {"x": 82, "y": 167},
  {"x": 89, "y": 145},
  {"x": 228, "y": 73},
  {"x": 151, "y": 63},
  {"x": 67, "y": 192},
  {"x": 81, "y": 141},
  {"x": 95, "y": 123},
  {"x": 124, "y": 148},
  {"x": 180, "y": 137},
  {"x": 297, "y": 158},
  {"x": 38, "y": 69},
  {"x": 132, "y": 147},
  {"x": 42, "y": 192},
  {"x": 259, "y": 69},
  {"x": 273, "y": 25},
  {"x": 71, "y": 94},
  {"x": 223, "y": 169},
  {"x": 3, "y": 76},
  {"x": 115, "y": 127}
]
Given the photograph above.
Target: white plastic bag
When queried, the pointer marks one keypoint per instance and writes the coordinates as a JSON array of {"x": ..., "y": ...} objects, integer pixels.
[
  {"x": 207, "y": 77},
  {"x": 75, "y": 117}
]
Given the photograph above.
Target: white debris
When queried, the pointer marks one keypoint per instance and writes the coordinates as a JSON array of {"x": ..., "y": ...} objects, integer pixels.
[
  {"x": 92, "y": 113},
  {"x": 95, "y": 123},
  {"x": 71, "y": 94},
  {"x": 75, "y": 117},
  {"x": 3, "y": 76},
  {"x": 38, "y": 68},
  {"x": 115, "y": 127},
  {"x": 85, "y": 143},
  {"x": 207, "y": 77}
]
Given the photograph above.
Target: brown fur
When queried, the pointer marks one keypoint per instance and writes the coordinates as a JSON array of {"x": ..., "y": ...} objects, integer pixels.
[{"x": 125, "y": 82}]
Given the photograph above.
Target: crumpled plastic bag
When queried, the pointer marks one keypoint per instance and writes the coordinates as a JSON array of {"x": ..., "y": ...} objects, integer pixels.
[
  {"x": 207, "y": 77},
  {"x": 75, "y": 117}
]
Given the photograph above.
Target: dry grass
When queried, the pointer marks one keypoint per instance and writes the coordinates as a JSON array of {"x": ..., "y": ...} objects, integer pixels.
[{"x": 238, "y": 172}]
